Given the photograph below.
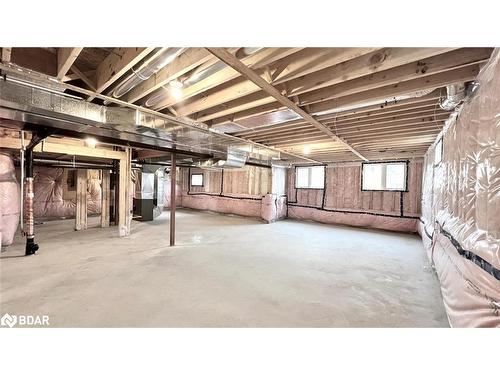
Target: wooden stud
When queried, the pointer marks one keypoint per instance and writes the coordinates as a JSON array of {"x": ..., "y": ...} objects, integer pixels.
[
  {"x": 105, "y": 198},
  {"x": 65, "y": 59},
  {"x": 81, "y": 199},
  {"x": 124, "y": 208},
  {"x": 173, "y": 183}
]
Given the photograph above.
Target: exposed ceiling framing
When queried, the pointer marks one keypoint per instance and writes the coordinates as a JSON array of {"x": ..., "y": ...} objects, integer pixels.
[
  {"x": 322, "y": 104},
  {"x": 248, "y": 73}
]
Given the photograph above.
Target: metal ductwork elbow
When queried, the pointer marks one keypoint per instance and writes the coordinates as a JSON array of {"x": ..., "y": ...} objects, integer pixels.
[
  {"x": 235, "y": 159},
  {"x": 455, "y": 94}
]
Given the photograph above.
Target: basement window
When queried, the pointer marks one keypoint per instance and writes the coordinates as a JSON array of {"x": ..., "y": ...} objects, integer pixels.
[
  {"x": 384, "y": 176},
  {"x": 197, "y": 179},
  {"x": 310, "y": 177}
]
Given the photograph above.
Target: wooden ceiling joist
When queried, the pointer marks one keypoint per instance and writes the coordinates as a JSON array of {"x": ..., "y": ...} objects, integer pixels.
[
  {"x": 434, "y": 81},
  {"x": 344, "y": 72},
  {"x": 255, "y": 61},
  {"x": 90, "y": 84},
  {"x": 65, "y": 59},
  {"x": 304, "y": 128},
  {"x": 392, "y": 109},
  {"x": 187, "y": 61},
  {"x": 302, "y": 62},
  {"x": 118, "y": 62},
  {"x": 425, "y": 67},
  {"x": 236, "y": 64}
]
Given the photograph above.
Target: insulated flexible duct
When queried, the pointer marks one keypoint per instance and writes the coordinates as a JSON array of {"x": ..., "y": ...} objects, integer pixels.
[
  {"x": 146, "y": 71},
  {"x": 455, "y": 94},
  {"x": 200, "y": 74}
]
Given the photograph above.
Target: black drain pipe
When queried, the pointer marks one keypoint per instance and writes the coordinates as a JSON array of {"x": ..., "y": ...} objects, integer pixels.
[{"x": 29, "y": 195}]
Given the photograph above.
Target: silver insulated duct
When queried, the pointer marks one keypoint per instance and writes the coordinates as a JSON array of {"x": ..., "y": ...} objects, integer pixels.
[
  {"x": 235, "y": 159},
  {"x": 455, "y": 94}
]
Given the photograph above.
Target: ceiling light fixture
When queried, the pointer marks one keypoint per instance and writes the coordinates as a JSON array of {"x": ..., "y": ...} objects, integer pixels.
[
  {"x": 307, "y": 150},
  {"x": 175, "y": 89},
  {"x": 91, "y": 142}
]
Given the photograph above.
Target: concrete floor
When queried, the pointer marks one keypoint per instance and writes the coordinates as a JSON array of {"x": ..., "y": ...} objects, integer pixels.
[{"x": 225, "y": 272}]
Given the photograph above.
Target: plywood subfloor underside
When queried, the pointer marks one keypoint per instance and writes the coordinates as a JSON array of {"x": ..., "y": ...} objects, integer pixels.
[{"x": 225, "y": 272}]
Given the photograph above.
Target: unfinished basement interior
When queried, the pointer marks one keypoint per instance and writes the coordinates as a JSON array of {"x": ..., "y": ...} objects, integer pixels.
[{"x": 250, "y": 186}]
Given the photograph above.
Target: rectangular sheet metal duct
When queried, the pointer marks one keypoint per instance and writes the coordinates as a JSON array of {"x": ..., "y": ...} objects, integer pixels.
[{"x": 26, "y": 104}]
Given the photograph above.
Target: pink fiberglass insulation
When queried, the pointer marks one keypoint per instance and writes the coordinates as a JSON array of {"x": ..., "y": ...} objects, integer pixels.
[
  {"x": 236, "y": 205},
  {"x": 49, "y": 201},
  {"x": 354, "y": 219},
  {"x": 9, "y": 200},
  {"x": 343, "y": 202},
  {"x": 461, "y": 206},
  {"x": 273, "y": 207},
  {"x": 166, "y": 193}
]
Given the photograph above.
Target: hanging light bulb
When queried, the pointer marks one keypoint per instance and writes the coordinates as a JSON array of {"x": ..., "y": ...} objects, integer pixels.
[{"x": 175, "y": 89}]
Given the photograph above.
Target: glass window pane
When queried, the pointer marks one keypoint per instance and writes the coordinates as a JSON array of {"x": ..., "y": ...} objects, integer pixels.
[
  {"x": 372, "y": 177},
  {"x": 197, "y": 180},
  {"x": 317, "y": 177},
  {"x": 395, "y": 176},
  {"x": 302, "y": 177}
]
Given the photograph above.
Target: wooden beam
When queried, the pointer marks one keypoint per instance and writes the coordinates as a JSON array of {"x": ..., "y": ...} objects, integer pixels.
[
  {"x": 73, "y": 76},
  {"x": 81, "y": 199},
  {"x": 124, "y": 208},
  {"x": 173, "y": 182},
  {"x": 374, "y": 112},
  {"x": 364, "y": 65},
  {"x": 56, "y": 146},
  {"x": 105, "y": 198},
  {"x": 236, "y": 64},
  {"x": 65, "y": 59},
  {"x": 434, "y": 81},
  {"x": 118, "y": 62},
  {"x": 6, "y": 52},
  {"x": 185, "y": 62},
  {"x": 267, "y": 55},
  {"x": 83, "y": 77},
  {"x": 423, "y": 67},
  {"x": 356, "y": 110},
  {"x": 303, "y": 62}
]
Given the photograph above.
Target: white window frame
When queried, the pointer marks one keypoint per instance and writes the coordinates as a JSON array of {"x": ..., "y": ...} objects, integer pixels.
[
  {"x": 309, "y": 177},
  {"x": 384, "y": 175},
  {"x": 202, "y": 179}
]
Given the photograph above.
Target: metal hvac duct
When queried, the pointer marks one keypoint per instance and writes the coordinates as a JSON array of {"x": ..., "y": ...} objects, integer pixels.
[
  {"x": 455, "y": 94},
  {"x": 31, "y": 107},
  {"x": 201, "y": 73},
  {"x": 235, "y": 159}
]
